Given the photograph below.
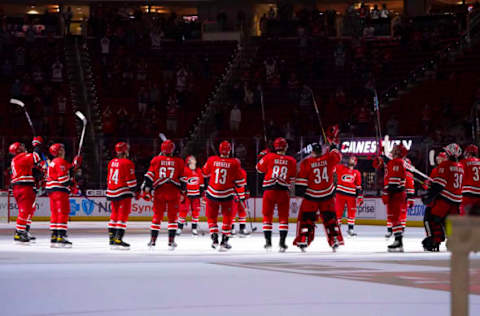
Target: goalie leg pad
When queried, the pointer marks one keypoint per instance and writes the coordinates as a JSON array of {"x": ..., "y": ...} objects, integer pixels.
[
  {"x": 307, "y": 217},
  {"x": 332, "y": 230}
]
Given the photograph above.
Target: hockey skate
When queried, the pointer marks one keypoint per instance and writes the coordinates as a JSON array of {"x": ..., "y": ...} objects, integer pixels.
[
  {"x": 397, "y": 245},
  {"x": 243, "y": 233},
  {"x": 194, "y": 232},
  {"x": 224, "y": 245},
  {"x": 389, "y": 233},
  {"x": 152, "y": 243},
  {"x": 283, "y": 247},
  {"x": 119, "y": 244},
  {"x": 53, "y": 240},
  {"x": 178, "y": 232},
  {"x": 351, "y": 233},
  {"x": 335, "y": 244},
  {"x": 214, "y": 237},
  {"x": 233, "y": 234},
  {"x": 32, "y": 238},
  {"x": 430, "y": 245},
  {"x": 63, "y": 242},
  {"x": 172, "y": 245},
  {"x": 21, "y": 238}
]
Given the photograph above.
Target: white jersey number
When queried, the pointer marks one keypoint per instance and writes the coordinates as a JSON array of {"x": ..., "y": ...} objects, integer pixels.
[
  {"x": 162, "y": 172},
  {"x": 279, "y": 172},
  {"x": 220, "y": 176},
  {"x": 320, "y": 175}
]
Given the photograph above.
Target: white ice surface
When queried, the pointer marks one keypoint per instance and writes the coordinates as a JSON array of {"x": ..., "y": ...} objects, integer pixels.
[{"x": 91, "y": 279}]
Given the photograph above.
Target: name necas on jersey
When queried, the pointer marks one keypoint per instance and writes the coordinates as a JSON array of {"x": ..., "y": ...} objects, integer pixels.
[
  {"x": 349, "y": 181},
  {"x": 22, "y": 168},
  {"x": 471, "y": 181},
  {"x": 121, "y": 182},
  {"x": 225, "y": 176},
  {"x": 450, "y": 177},
  {"x": 58, "y": 175},
  {"x": 395, "y": 176},
  {"x": 279, "y": 170},
  {"x": 316, "y": 176},
  {"x": 194, "y": 182},
  {"x": 165, "y": 171}
]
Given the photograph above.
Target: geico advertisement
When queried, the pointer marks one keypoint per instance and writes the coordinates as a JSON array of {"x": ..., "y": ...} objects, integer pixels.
[{"x": 372, "y": 208}]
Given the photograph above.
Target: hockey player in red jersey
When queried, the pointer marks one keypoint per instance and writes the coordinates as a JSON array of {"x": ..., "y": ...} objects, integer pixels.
[
  {"x": 239, "y": 207},
  {"x": 349, "y": 192},
  {"x": 445, "y": 194},
  {"x": 315, "y": 183},
  {"x": 410, "y": 190},
  {"x": 280, "y": 171},
  {"x": 121, "y": 185},
  {"x": 225, "y": 177},
  {"x": 164, "y": 177},
  {"x": 25, "y": 167},
  {"x": 394, "y": 195},
  {"x": 59, "y": 180},
  {"x": 471, "y": 182},
  {"x": 194, "y": 191}
]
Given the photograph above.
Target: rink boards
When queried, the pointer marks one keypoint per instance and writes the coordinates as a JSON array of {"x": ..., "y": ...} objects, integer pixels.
[{"x": 98, "y": 209}]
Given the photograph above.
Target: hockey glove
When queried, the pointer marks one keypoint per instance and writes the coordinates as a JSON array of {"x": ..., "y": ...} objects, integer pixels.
[
  {"x": 377, "y": 163},
  {"x": 77, "y": 162},
  {"x": 360, "y": 201}
]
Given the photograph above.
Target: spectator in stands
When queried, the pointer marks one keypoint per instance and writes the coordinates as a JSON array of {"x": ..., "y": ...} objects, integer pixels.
[
  {"x": 271, "y": 13},
  {"x": 57, "y": 71},
  {"x": 67, "y": 18},
  {"x": 293, "y": 85},
  {"x": 263, "y": 24},
  {"x": 375, "y": 13},
  {"x": 181, "y": 82},
  {"x": 339, "y": 55},
  {"x": 172, "y": 114},
  {"x": 156, "y": 36},
  {"x": 385, "y": 20},
  {"x": 235, "y": 118},
  {"x": 270, "y": 68},
  {"x": 248, "y": 95},
  {"x": 369, "y": 31},
  {"x": 105, "y": 48},
  {"x": 143, "y": 101},
  {"x": 305, "y": 100}
]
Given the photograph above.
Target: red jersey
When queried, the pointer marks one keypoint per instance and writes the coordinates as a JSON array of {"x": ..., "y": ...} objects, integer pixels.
[
  {"x": 243, "y": 191},
  {"x": 226, "y": 176},
  {"x": 450, "y": 178},
  {"x": 165, "y": 172},
  {"x": 58, "y": 176},
  {"x": 121, "y": 180},
  {"x": 316, "y": 175},
  {"x": 471, "y": 181},
  {"x": 349, "y": 181},
  {"x": 22, "y": 168},
  {"x": 395, "y": 176},
  {"x": 279, "y": 170},
  {"x": 194, "y": 181},
  {"x": 410, "y": 186}
]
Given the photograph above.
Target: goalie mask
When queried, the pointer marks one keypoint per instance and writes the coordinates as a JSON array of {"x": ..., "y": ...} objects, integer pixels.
[{"x": 453, "y": 151}]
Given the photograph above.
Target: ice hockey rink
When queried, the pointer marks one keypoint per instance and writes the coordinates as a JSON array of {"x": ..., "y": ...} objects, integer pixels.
[{"x": 90, "y": 279}]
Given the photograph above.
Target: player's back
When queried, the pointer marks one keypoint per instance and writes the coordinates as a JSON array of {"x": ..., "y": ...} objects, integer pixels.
[
  {"x": 121, "y": 178},
  {"x": 317, "y": 173},
  {"x": 471, "y": 181},
  {"x": 58, "y": 175},
  {"x": 21, "y": 167},
  {"x": 280, "y": 171},
  {"x": 225, "y": 175},
  {"x": 450, "y": 176},
  {"x": 165, "y": 172}
]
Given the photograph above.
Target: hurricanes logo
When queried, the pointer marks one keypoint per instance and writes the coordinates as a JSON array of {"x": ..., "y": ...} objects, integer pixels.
[
  {"x": 348, "y": 178},
  {"x": 193, "y": 181}
]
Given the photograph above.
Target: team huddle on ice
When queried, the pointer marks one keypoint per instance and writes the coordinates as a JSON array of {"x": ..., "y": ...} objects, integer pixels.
[{"x": 177, "y": 186}]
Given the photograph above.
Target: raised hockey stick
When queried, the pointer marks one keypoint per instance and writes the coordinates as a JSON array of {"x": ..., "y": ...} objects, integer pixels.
[
  {"x": 22, "y": 105},
  {"x": 162, "y": 137},
  {"x": 84, "y": 121},
  {"x": 260, "y": 89},
  {"x": 378, "y": 125},
  {"x": 318, "y": 114}
]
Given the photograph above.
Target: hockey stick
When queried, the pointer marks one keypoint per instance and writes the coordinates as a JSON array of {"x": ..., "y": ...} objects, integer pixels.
[
  {"x": 378, "y": 125},
  {"x": 263, "y": 116},
  {"x": 84, "y": 121},
  {"x": 244, "y": 205},
  {"x": 22, "y": 105},
  {"x": 318, "y": 113},
  {"x": 162, "y": 137}
]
